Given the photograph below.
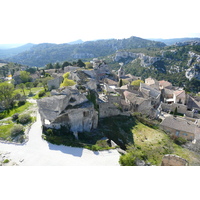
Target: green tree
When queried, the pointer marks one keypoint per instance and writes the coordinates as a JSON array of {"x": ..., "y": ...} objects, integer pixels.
[
  {"x": 44, "y": 82},
  {"x": 29, "y": 85},
  {"x": 80, "y": 63},
  {"x": 22, "y": 86},
  {"x": 25, "y": 76},
  {"x": 88, "y": 65},
  {"x": 175, "y": 111},
  {"x": 120, "y": 82},
  {"x": 65, "y": 64},
  {"x": 6, "y": 94},
  {"x": 49, "y": 66},
  {"x": 137, "y": 82},
  {"x": 66, "y": 81},
  {"x": 57, "y": 66}
]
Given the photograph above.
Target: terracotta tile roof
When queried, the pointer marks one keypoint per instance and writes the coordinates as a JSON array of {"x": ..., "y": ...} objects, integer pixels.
[
  {"x": 164, "y": 83},
  {"x": 178, "y": 92}
]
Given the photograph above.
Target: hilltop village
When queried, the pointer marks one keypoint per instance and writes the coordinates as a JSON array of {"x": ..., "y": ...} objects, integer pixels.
[
  {"x": 96, "y": 108},
  {"x": 100, "y": 93}
]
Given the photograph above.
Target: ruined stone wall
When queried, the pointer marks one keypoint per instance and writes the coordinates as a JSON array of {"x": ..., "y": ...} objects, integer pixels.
[
  {"x": 108, "y": 109},
  {"x": 173, "y": 160}
]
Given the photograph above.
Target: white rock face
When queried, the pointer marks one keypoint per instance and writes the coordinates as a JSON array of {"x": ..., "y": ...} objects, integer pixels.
[{"x": 145, "y": 60}]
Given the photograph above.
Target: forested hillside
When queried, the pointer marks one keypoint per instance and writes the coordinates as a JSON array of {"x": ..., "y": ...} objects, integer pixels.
[
  {"x": 169, "y": 63},
  {"x": 5, "y": 53},
  {"x": 42, "y": 54}
]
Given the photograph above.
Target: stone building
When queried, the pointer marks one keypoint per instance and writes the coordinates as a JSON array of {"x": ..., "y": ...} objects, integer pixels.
[
  {"x": 149, "y": 92},
  {"x": 152, "y": 82},
  {"x": 137, "y": 103},
  {"x": 180, "y": 127},
  {"x": 164, "y": 84},
  {"x": 68, "y": 107}
]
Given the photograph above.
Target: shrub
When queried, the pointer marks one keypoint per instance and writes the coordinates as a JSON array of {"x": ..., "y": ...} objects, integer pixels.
[
  {"x": 17, "y": 130},
  {"x": 21, "y": 102},
  {"x": 49, "y": 132},
  {"x": 180, "y": 140},
  {"x": 25, "y": 118},
  {"x": 15, "y": 117},
  {"x": 67, "y": 82},
  {"x": 41, "y": 93},
  {"x": 6, "y": 161},
  {"x": 66, "y": 75},
  {"x": 30, "y": 94}
]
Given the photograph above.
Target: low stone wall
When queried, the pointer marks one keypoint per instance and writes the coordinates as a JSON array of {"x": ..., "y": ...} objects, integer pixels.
[{"x": 173, "y": 160}]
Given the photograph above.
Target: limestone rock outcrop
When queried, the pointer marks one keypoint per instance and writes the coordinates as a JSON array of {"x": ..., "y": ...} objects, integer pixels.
[{"x": 126, "y": 57}]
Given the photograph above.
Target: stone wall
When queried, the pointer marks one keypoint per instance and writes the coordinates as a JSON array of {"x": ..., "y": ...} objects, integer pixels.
[
  {"x": 108, "y": 109},
  {"x": 173, "y": 160},
  {"x": 114, "y": 99},
  {"x": 68, "y": 107},
  {"x": 181, "y": 108}
]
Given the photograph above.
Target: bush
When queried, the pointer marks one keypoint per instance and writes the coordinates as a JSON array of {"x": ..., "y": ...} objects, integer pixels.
[
  {"x": 6, "y": 161},
  {"x": 21, "y": 102},
  {"x": 15, "y": 117},
  {"x": 25, "y": 118},
  {"x": 49, "y": 132},
  {"x": 17, "y": 130},
  {"x": 41, "y": 93},
  {"x": 30, "y": 94},
  {"x": 180, "y": 140}
]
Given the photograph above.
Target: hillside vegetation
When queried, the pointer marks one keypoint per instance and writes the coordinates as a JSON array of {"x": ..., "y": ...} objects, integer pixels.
[
  {"x": 142, "y": 142},
  {"x": 42, "y": 54}
]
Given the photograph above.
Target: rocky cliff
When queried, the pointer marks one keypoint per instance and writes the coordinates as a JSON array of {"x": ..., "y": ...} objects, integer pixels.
[{"x": 126, "y": 57}]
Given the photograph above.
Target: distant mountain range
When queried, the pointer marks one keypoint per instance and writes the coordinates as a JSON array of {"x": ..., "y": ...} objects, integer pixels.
[
  {"x": 175, "y": 40},
  {"x": 6, "y": 52},
  {"x": 41, "y": 54}
]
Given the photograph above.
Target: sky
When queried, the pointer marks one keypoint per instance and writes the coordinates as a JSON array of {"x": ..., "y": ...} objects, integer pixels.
[{"x": 62, "y": 21}]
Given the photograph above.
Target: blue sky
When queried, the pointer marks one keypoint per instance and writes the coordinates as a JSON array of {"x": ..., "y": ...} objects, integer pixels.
[{"x": 60, "y": 21}]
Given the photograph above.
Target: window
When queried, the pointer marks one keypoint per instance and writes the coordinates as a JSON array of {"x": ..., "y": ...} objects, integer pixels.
[
  {"x": 185, "y": 134},
  {"x": 177, "y": 133}
]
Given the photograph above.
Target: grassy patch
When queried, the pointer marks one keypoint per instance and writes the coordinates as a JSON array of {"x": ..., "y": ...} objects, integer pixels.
[
  {"x": 39, "y": 96},
  {"x": 5, "y": 129},
  {"x": 34, "y": 90},
  {"x": 151, "y": 145},
  {"x": 20, "y": 109}
]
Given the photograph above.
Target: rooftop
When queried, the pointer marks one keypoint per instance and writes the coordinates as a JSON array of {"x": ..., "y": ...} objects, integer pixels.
[{"x": 181, "y": 125}]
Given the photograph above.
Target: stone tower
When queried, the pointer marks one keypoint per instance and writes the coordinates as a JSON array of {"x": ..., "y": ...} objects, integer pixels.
[{"x": 121, "y": 72}]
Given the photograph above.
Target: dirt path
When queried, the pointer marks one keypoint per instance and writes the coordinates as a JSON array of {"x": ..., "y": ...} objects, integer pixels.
[{"x": 38, "y": 152}]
